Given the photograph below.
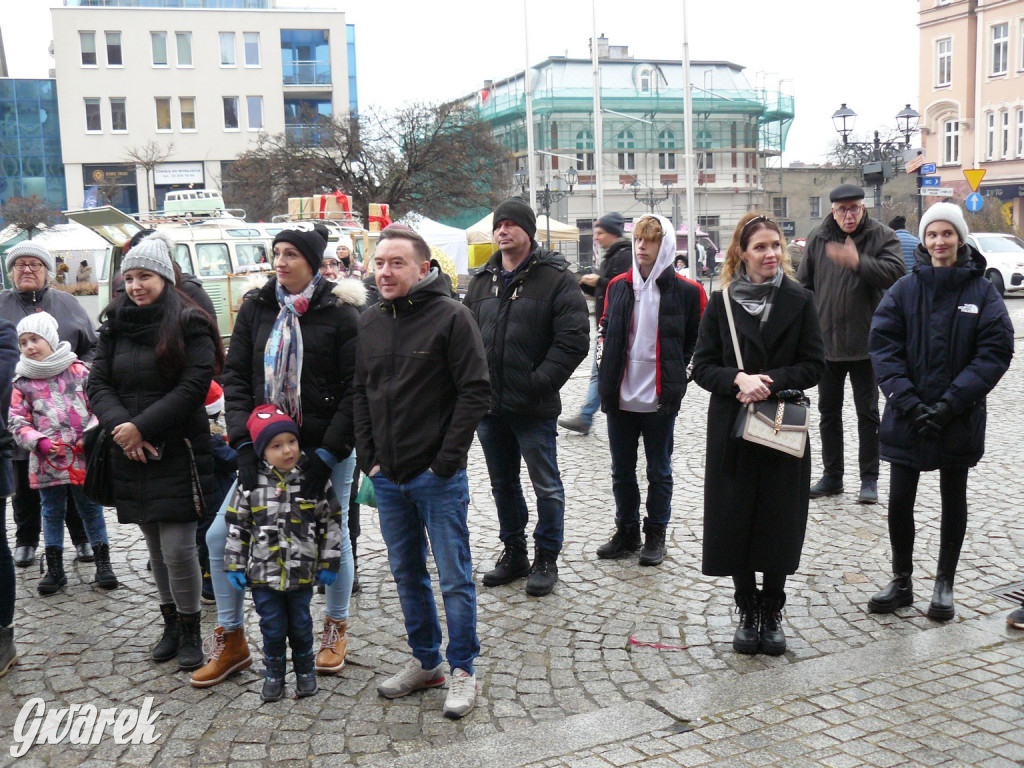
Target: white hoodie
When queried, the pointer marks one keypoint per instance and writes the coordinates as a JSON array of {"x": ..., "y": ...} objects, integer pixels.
[{"x": 639, "y": 389}]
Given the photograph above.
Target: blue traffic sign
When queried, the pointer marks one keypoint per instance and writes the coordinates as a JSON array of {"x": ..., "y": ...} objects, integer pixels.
[
  {"x": 931, "y": 181},
  {"x": 926, "y": 169},
  {"x": 975, "y": 202}
]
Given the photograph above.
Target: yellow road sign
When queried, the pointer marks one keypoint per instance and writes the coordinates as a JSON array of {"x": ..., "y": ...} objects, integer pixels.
[{"x": 974, "y": 177}]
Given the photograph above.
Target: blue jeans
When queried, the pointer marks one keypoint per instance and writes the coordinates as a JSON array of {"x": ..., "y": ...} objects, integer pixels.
[
  {"x": 506, "y": 440},
  {"x": 593, "y": 396},
  {"x": 438, "y": 508},
  {"x": 284, "y": 615},
  {"x": 230, "y": 601},
  {"x": 625, "y": 428},
  {"x": 53, "y": 502}
]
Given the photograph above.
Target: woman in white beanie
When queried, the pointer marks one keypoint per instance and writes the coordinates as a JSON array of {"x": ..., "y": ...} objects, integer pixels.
[{"x": 940, "y": 341}]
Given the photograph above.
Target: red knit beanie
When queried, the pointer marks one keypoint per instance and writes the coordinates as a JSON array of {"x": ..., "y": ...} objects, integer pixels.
[{"x": 265, "y": 423}]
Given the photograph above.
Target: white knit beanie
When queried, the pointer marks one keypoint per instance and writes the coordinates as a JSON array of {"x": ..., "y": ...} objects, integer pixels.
[
  {"x": 152, "y": 253},
  {"x": 29, "y": 248},
  {"x": 944, "y": 212},
  {"x": 41, "y": 324}
]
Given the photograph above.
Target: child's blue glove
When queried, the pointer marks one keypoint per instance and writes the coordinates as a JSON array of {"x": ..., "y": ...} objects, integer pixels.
[
  {"x": 325, "y": 577},
  {"x": 237, "y": 580}
]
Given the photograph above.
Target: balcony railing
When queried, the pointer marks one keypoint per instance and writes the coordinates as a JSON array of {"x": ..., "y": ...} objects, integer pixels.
[{"x": 316, "y": 72}]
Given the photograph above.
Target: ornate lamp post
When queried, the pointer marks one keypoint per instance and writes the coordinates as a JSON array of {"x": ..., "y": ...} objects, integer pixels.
[
  {"x": 547, "y": 196},
  {"x": 650, "y": 199}
]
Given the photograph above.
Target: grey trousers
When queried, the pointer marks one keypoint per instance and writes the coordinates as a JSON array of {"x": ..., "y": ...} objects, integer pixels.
[{"x": 174, "y": 558}]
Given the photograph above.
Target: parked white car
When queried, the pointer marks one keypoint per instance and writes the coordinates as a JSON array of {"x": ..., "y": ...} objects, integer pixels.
[{"x": 1005, "y": 256}]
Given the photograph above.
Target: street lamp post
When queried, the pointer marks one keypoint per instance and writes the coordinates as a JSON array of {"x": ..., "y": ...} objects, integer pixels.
[
  {"x": 879, "y": 159},
  {"x": 547, "y": 197},
  {"x": 650, "y": 200}
]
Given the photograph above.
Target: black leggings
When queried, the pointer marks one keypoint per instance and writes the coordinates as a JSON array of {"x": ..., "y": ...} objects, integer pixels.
[
  {"x": 745, "y": 583},
  {"x": 902, "y": 494}
]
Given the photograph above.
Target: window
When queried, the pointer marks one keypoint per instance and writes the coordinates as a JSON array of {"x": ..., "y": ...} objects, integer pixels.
[
  {"x": 626, "y": 140},
  {"x": 88, "y": 41},
  {"x": 1020, "y": 131},
  {"x": 815, "y": 206},
  {"x": 118, "y": 115},
  {"x": 158, "y": 41},
  {"x": 114, "y": 49},
  {"x": 943, "y": 62},
  {"x": 645, "y": 81},
  {"x": 254, "y": 106},
  {"x": 1000, "y": 48},
  {"x": 990, "y": 135},
  {"x": 1004, "y": 134},
  {"x": 231, "y": 113},
  {"x": 93, "y": 122},
  {"x": 227, "y": 49},
  {"x": 163, "y": 113},
  {"x": 251, "y": 41},
  {"x": 585, "y": 158},
  {"x": 305, "y": 57},
  {"x": 666, "y": 160},
  {"x": 213, "y": 259},
  {"x": 705, "y": 160},
  {"x": 780, "y": 207},
  {"x": 951, "y": 142},
  {"x": 187, "y": 105},
  {"x": 184, "y": 42}
]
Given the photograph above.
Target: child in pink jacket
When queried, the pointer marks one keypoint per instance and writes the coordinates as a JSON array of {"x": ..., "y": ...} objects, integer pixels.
[{"x": 49, "y": 413}]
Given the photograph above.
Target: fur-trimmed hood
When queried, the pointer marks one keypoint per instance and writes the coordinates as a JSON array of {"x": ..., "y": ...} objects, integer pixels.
[{"x": 350, "y": 290}]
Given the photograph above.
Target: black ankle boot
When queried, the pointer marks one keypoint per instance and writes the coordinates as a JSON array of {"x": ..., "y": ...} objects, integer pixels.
[
  {"x": 898, "y": 593},
  {"x": 941, "y": 607},
  {"x": 773, "y": 638},
  {"x": 190, "y": 652},
  {"x": 166, "y": 647},
  {"x": 305, "y": 676},
  {"x": 653, "y": 551},
  {"x": 747, "y": 639},
  {"x": 105, "y": 577},
  {"x": 513, "y": 564},
  {"x": 626, "y": 539},
  {"x": 273, "y": 683},
  {"x": 54, "y": 578}
]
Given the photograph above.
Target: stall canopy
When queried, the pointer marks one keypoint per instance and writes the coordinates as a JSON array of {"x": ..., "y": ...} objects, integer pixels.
[
  {"x": 451, "y": 240},
  {"x": 481, "y": 231}
]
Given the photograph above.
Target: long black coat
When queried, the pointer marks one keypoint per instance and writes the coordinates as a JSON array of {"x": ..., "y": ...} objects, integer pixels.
[
  {"x": 125, "y": 385},
  {"x": 755, "y": 498}
]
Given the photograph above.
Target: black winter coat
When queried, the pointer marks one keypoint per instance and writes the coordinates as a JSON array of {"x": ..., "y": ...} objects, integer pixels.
[
  {"x": 939, "y": 334},
  {"x": 617, "y": 259},
  {"x": 678, "y": 322},
  {"x": 535, "y": 331},
  {"x": 126, "y": 385},
  {"x": 755, "y": 498},
  {"x": 328, "y": 346}
]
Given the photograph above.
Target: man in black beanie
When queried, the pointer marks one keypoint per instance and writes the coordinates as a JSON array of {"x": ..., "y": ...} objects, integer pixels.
[
  {"x": 533, "y": 320},
  {"x": 309, "y": 238}
]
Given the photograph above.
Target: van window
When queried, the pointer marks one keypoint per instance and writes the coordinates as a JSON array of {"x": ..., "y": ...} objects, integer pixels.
[
  {"x": 213, "y": 259},
  {"x": 251, "y": 256},
  {"x": 181, "y": 256}
]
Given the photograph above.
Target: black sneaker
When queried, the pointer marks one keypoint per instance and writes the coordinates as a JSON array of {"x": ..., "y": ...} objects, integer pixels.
[
  {"x": 543, "y": 575},
  {"x": 827, "y": 486},
  {"x": 207, "y": 597}
]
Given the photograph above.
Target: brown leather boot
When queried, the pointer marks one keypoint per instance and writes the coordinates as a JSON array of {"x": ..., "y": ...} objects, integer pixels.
[
  {"x": 331, "y": 658},
  {"x": 230, "y": 654}
]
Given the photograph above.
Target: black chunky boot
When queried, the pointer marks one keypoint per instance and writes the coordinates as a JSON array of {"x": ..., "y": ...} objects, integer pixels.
[
  {"x": 653, "y": 551},
  {"x": 273, "y": 684},
  {"x": 899, "y": 592},
  {"x": 941, "y": 606},
  {"x": 190, "y": 651},
  {"x": 54, "y": 578},
  {"x": 8, "y": 655},
  {"x": 513, "y": 564},
  {"x": 773, "y": 639},
  {"x": 748, "y": 606},
  {"x": 543, "y": 573},
  {"x": 625, "y": 540},
  {"x": 105, "y": 577},
  {"x": 305, "y": 676},
  {"x": 166, "y": 647}
]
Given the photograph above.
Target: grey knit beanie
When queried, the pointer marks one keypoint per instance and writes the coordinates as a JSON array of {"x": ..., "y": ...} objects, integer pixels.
[
  {"x": 34, "y": 251},
  {"x": 944, "y": 212},
  {"x": 41, "y": 324},
  {"x": 152, "y": 253}
]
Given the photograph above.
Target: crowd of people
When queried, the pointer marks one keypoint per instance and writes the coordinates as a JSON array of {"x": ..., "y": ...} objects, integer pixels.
[{"x": 323, "y": 383}]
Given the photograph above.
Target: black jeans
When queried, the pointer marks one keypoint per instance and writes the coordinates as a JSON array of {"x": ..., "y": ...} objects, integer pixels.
[
  {"x": 830, "y": 405},
  {"x": 7, "y": 582},
  {"x": 28, "y": 512},
  {"x": 902, "y": 495}
]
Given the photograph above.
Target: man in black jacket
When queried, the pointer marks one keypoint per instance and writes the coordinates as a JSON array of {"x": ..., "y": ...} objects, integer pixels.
[
  {"x": 420, "y": 389},
  {"x": 618, "y": 256},
  {"x": 533, "y": 320}
]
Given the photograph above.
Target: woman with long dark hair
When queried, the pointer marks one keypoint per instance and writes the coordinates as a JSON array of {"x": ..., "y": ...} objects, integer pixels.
[{"x": 157, "y": 354}]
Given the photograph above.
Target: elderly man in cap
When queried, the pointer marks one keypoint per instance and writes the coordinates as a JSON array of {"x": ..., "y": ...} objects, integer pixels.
[
  {"x": 533, "y": 320},
  {"x": 849, "y": 262},
  {"x": 31, "y": 267}
]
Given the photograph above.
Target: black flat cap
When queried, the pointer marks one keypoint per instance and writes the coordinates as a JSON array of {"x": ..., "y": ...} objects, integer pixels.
[{"x": 846, "y": 192}]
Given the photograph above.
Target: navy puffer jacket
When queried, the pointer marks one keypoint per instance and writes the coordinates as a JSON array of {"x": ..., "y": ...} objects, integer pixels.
[{"x": 939, "y": 334}]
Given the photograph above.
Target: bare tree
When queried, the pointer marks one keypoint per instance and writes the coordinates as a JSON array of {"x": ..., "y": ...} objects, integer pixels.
[
  {"x": 148, "y": 157},
  {"x": 991, "y": 218},
  {"x": 29, "y": 214}
]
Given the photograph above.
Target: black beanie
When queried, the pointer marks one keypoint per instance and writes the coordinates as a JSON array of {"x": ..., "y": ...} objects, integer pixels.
[
  {"x": 309, "y": 238},
  {"x": 518, "y": 212},
  {"x": 612, "y": 223}
]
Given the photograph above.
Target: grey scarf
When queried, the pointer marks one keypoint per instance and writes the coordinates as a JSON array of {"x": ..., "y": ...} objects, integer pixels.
[
  {"x": 755, "y": 298},
  {"x": 56, "y": 363}
]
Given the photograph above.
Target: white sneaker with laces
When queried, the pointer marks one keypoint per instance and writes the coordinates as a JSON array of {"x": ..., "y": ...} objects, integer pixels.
[
  {"x": 461, "y": 694},
  {"x": 411, "y": 677}
]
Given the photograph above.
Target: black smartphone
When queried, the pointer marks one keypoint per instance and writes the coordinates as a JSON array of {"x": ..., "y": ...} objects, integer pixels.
[{"x": 159, "y": 448}]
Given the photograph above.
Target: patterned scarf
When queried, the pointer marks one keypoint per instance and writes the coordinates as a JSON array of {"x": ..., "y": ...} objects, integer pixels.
[{"x": 282, "y": 359}]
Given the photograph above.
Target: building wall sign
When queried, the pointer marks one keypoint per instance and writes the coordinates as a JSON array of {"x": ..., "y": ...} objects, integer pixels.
[
  {"x": 1005, "y": 192},
  {"x": 178, "y": 173},
  {"x": 95, "y": 175}
]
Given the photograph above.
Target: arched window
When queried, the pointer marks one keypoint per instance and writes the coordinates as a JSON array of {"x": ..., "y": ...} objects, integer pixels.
[
  {"x": 626, "y": 141},
  {"x": 705, "y": 160},
  {"x": 585, "y": 150},
  {"x": 666, "y": 159}
]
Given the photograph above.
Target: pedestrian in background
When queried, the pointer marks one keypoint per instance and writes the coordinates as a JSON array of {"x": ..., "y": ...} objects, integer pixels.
[
  {"x": 940, "y": 341},
  {"x": 908, "y": 241},
  {"x": 755, "y": 497}
]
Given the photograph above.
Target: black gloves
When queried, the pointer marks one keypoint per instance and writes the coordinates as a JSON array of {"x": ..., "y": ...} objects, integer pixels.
[
  {"x": 248, "y": 468},
  {"x": 920, "y": 414},
  {"x": 930, "y": 420},
  {"x": 315, "y": 474},
  {"x": 7, "y": 445}
]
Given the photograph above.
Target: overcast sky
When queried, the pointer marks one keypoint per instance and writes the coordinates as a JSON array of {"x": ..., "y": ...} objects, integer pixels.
[{"x": 862, "y": 52}]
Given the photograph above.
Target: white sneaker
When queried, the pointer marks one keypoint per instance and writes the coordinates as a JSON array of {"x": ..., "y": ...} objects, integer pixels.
[
  {"x": 411, "y": 677},
  {"x": 461, "y": 694}
]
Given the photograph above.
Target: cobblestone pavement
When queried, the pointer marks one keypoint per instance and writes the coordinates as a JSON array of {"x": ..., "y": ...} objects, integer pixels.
[{"x": 621, "y": 665}]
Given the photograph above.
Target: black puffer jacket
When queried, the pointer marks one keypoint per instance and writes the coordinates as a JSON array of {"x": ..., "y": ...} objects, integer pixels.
[
  {"x": 328, "y": 347},
  {"x": 617, "y": 259},
  {"x": 126, "y": 385},
  {"x": 535, "y": 331},
  {"x": 939, "y": 334}
]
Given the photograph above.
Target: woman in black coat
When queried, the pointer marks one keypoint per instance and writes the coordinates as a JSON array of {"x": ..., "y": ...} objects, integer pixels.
[
  {"x": 940, "y": 341},
  {"x": 755, "y": 498},
  {"x": 157, "y": 354}
]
